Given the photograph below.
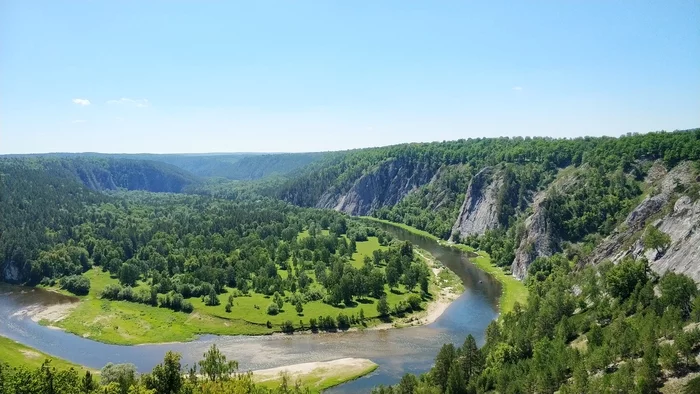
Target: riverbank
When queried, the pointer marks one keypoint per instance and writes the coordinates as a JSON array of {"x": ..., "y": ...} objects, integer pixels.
[
  {"x": 317, "y": 376},
  {"x": 17, "y": 355},
  {"x": 445, "y": 287},
  {"x": 512, "y": 290}
]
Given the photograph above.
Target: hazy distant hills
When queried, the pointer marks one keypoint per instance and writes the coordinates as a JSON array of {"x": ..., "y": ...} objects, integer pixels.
[{"x": 233, "y": 166}]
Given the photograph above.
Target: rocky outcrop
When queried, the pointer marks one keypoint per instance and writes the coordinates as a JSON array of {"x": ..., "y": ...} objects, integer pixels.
[
  {"x": 664, "y": 184},
  {"x": 683, "y": 227},
  {"x": 539, "y": 239},
  {"x": 479, "y": 211},
  {"x": 10, "y": 273},
  {"x": 391, "y": 181},
  {"x": 680, "y": 221}
]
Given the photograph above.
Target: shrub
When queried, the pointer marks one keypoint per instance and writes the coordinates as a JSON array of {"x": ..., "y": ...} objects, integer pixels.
[
  {"x": 343, "y": 321},
  {"x": 287, "y": 327},
  {"x": 76, "y": 284},
  {"x": 273, "y": 309},
  {"x": 111, "y": 292},
  {"x": 187, "y": 306},
  {"x": 126, "y": 294},
  {"x": 414, "y": 301}
]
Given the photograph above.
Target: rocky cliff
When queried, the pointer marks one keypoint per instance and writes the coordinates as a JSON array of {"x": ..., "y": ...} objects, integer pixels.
[
  {"x": 540, "y": 239},
  {"x": 386, "y": 185},
  {"x": 479, "y": 211},
  {"x": 673, "y": 207}
]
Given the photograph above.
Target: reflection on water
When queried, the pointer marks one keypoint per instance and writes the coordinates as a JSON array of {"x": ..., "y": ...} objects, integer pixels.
[{"x": 397, "y": 351}]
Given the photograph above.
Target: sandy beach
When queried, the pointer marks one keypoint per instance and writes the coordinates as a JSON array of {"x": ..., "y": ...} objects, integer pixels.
[
  {"x": 434, "y": 309},
  {"x": 50, "y": 313},
  {"x": 317, "y": 370}
]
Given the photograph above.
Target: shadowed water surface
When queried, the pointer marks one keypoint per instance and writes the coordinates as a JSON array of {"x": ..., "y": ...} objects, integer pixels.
[{"x": 396, "y": 351}]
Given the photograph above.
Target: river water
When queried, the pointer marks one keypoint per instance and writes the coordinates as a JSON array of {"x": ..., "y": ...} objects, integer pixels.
[{"x": 396, "y": 351}]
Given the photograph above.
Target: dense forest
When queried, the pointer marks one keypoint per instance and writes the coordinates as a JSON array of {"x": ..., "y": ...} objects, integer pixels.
[{"x": 596, "y": 330}]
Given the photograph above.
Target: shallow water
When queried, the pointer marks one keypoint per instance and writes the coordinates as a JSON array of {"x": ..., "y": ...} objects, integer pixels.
[{"x": 396, "y": 351}]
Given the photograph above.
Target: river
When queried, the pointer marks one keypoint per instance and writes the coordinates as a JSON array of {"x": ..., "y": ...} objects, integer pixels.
[{"x": 396, "y": 351}]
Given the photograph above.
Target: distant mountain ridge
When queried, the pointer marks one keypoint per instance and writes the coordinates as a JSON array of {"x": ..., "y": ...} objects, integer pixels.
[
  {"x": 233, "y": 166},
  {"x": 112, "y": 174}
]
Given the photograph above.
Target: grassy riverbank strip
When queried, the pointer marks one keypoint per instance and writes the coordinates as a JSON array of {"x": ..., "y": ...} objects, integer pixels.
[
  {"x": 513, "y": 290},
  {"x": 17, "y": 355},
  {"x": 317, "y": 376}
]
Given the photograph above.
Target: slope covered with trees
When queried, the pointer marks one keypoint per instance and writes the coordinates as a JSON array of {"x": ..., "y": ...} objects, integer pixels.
[
  {"x": 597, "y": 330},
  {"x": 551, "y": 194},
  {"x": 534, "y": 161}
]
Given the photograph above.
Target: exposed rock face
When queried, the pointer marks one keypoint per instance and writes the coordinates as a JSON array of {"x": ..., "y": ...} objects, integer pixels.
[
  {"x": 479, "y": 211},
  {"x": 10, "y": 273},
  {"x": 539, "y": 240},
  {"x": 683, "y": 226},
  {"x": 612, "y": 246},
  {"x": 387, "y": 185},
  {"x": 681, "y": 223}
]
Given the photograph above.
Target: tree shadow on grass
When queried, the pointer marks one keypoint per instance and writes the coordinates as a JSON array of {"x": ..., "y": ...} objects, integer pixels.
[{"x": 397, "y": 292}]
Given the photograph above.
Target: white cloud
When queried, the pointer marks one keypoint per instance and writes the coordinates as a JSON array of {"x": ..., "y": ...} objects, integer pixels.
[
  {"x": 141, "y": 103},
  {"x": 83, "y": 102},
  {"x": 79, "y": 121},
  {"x": 517, "y": 88}
]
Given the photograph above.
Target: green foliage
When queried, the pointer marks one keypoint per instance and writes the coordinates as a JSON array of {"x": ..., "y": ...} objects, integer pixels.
[
  {"x": 76, "y": 284},
  {"x": 215, "y": 366},
  {"x": 383, "y": 307},
  {"x": 530, "y": 349},
  {"x": 606, "y": 192},
  {"x": 693, "y": 386},
  {"x": 124, "y": 375},
  {"x": 128, "y": 274},
  {"x": 655, "y": 239},
  {"x": 273, "y": 309},
  {"x": 678, "y": 291},
  {"x": 623, "y": 278}
]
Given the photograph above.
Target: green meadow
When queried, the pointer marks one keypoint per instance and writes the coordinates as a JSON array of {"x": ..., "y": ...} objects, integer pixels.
[{"x": 129, "y": 323}]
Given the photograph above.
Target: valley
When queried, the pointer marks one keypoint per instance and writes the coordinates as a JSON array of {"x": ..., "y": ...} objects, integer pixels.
[{"x": 392, "y": 254}]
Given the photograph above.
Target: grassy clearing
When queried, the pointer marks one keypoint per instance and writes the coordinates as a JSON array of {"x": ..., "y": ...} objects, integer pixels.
[
  {"x": 513, "y": 290},
  {"x": 321, "y": 376},
  {"x": 18, "y": 355},
  {"x": 128, "y": 323}
]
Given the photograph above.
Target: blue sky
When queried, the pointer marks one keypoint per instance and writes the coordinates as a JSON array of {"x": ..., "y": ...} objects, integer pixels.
[{"x": 214, "y": 76}]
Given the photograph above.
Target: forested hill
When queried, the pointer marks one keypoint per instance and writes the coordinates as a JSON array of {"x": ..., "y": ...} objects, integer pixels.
[
  {"x": 233, "y": 166},
  {"x": 111, "y": 173},
  {"x": 521, "y": 198}
]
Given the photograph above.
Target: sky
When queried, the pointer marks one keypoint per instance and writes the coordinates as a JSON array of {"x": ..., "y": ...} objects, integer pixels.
[{"x": 181, "y": 76}]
